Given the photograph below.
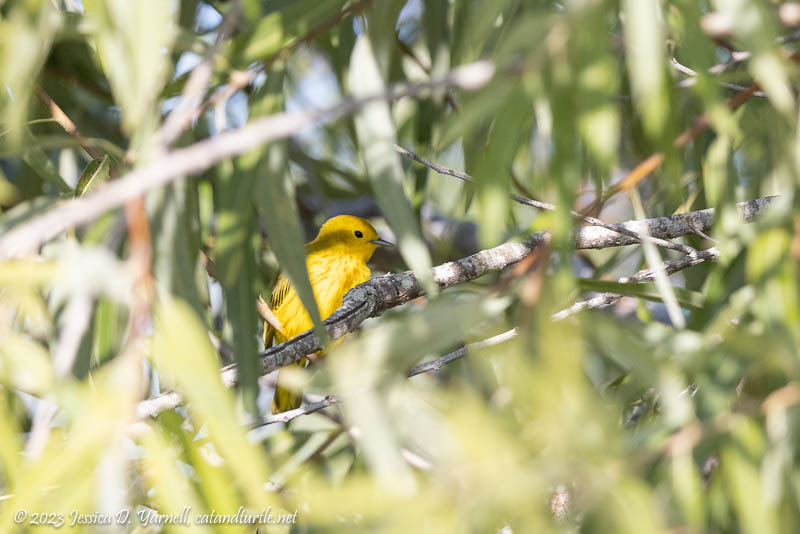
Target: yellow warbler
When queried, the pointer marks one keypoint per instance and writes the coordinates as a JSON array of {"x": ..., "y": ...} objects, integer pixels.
[{"x": 336, "y": 262}]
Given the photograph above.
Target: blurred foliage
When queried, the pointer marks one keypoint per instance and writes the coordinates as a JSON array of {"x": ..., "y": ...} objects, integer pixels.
[{"x": 611, "y": 421}]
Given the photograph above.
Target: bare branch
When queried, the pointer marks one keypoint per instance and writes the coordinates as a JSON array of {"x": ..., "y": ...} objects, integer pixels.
[
  {"x": 192, "y": 98},
  {"x": 203, "y": 154},
  {"x": 438, "y": 363},
  {"x": 65, "y": 122},
  {"x": 645, "y": 275},
  {"x": 433, "y": 365},
  {"x": 285, "y": 417},
  {"x": 268, "y": 315},
  {"x": 379, "y": 294},
  {"x": 550, "y": 207}
]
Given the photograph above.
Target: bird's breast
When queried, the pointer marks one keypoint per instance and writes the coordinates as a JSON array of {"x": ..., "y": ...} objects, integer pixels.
[{"x": 332, "y": 276}]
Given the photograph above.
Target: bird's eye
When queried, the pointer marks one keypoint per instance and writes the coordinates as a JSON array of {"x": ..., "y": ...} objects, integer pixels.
[{"x": 359, "y": 234}]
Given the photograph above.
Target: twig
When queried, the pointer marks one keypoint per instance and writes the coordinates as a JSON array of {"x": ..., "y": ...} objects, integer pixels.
[
  {"x": 242, "y": 78},
  {"x": 203, "y": 154},
  {"x": 191, "y": 99},
  {"x": 692, "y": 78},
  {"x": 670, "y": 266},
  {"x": 433, "y": 365},
  {"x": 550, "y": 207},
  {"x": 285, "y": 417},
  {"x": 438, "y": 363},
  {"x": 65, "y": 122},
  {"x": 267, "y": 314},
  {"x": 377, "y": 295},
  {"x": 645, "y": 275}
]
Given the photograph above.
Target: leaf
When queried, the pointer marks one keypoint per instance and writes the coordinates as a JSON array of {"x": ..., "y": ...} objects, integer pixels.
[
  {"x": 40, "y": 162},
  {"x": 133, "y": 40},
  {"x": 181, "y": 351},
  {"x": 25, "y": 365},
  {"x": 493, "y": 163},
  {"x": 175, "y": 230},
  {"x": 172, "y": 492},
  {"x": 646, "y": 290},
  {"x": 95, "y": 172},
  {"x": 10, "y": 444},
  {"x": 107, "y": 331},
  {"x": 282, "y": 24},
  {"x": 234, "y": 258},
  {"x": 26, "y": 35},
  {"x": 644, "y": 44},
  {"x": 376, "y": 136},
  {"x": 362, "y": 366},
  {"x": 275, "y": 202},
  {"x": 76, "y": 451}
]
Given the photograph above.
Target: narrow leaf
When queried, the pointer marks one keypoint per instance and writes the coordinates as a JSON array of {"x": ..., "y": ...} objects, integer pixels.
[
  {"x": 376, "y": 136},
  {"x": 646, "y": 290},
  {"x": 95, "y": 172}
]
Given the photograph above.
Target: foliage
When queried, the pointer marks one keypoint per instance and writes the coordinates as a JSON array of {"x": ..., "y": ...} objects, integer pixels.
[{"x": 620, "y": 420}]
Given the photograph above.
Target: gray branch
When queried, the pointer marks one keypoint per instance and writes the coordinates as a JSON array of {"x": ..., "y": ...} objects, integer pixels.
[
  {"x": 379, "y": 294},
  {"x": 620, "y": 229},
  {"x": 424, "y": 367},
  {"x": 645, "y": 275},
  {"x": 203, "y": 154}
]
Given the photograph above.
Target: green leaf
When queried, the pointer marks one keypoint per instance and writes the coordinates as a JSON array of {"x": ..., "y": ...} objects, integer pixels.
[
  {"x": 10, "y": 444},
  {"x": 25, "y": 365},
  {"x": 26, "y": 35},
  {"x": 276, "y": 204},
  {"x": 363, "y": 366},
  {"x": 172, "y": 493},
  {"x": 281, "y": 25},
  {"x": 646, "y": 290},
  {"x": 234, "y": 258},
  {"x": 107, "y": 331},
  {"x": 41, "y": 163},
  {"x": 376, "y": 136},
  {"x": 493, "y": 163},
  {"x": 95, "y": 414},
  {"x": 644, "y": 44},
  {"x": 133, "y": 40},
  {"x": 95, "y": 172},
  {"x": 181, "y": 351},
  {"x": 175, "y": 230}
]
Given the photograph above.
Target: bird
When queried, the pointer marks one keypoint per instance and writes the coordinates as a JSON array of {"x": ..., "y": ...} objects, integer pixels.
[{"x": 336, "y": 261}]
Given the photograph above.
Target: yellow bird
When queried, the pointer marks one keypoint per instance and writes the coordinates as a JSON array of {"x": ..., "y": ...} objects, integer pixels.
[{"x": 336, "y": 262}]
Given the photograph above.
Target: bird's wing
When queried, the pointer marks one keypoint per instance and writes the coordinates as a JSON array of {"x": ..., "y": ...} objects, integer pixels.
[{"x": 279, "y": 292}]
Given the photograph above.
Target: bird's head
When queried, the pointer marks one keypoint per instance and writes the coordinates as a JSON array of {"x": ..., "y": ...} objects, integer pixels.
[{"x": 352, "y": 235}]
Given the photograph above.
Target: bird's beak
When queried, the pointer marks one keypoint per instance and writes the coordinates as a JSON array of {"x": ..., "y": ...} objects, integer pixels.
[{"x": 382, "y": 242}]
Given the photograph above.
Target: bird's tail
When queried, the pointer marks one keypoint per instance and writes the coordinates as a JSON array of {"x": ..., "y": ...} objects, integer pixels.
[{"x": 285, "y": 399}]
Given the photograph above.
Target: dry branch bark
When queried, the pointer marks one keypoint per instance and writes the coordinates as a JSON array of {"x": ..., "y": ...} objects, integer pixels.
[
  {"x": 203, "y": 154},
  {"x": 379, "y": 294}
]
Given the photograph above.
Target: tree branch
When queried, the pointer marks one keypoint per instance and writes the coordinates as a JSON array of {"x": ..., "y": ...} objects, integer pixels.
[
  {"x": 192, "y": 98},
  {"x": 203, "y": 154},
  {"x": 66, "y": 123},
  {"x": 670, "y": 266},
  {"x": 645, "y": 275},
  {"x": 379, "y": 294},
  {"x": 438, "y": 363},
  {"x": 433, "y": 365},
  {"x": 550, "y": 207}
]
